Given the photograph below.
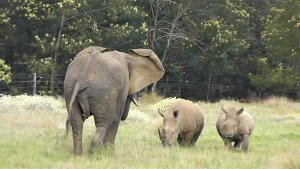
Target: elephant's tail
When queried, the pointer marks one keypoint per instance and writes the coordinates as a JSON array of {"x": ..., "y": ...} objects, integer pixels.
[
  {"x": 75, "y": 92},
  {"x": 78, "y": 87}
]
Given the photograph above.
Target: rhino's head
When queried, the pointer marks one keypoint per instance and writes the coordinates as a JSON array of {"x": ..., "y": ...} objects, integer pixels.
[
  {"x": 230, "y": 127},
  {"x": 169, "y": 132}
]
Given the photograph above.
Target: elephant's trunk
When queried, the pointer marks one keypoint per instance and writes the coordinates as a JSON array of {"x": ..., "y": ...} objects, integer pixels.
[{"x": 129, "y": 99}]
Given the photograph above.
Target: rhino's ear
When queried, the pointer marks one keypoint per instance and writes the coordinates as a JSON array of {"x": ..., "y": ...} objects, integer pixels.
[
  {"x": 240, "y": 111},
  {"x": 223, "y": 109},
  {"x": 161, "y": 112},
  {"x": 175, "y": 113}
]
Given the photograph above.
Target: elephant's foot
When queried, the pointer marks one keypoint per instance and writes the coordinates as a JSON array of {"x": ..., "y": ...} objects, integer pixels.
[
  {"x": 111, "y": 134},
  {"x": 78, "y": 152},
  {"x": 98, "y": 138}
]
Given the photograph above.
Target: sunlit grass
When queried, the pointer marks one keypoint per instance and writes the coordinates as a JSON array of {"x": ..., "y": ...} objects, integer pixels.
[{"x": 33, "y": 137}]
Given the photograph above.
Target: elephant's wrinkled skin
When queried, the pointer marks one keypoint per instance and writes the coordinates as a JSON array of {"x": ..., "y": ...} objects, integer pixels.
[
  {"x": 100, "y": 82},
  {"x": 183, "y": 123},
  {"x": 235, "y": 125}
]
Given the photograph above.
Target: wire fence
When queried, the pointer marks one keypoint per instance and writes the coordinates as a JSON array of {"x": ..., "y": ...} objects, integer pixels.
[
  {"x": 32, "y": 84},
  {"x": 39, "y": 84}
]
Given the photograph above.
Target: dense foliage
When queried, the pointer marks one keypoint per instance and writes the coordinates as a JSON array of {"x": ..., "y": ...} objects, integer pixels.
[{"x": 210, "y": 49}]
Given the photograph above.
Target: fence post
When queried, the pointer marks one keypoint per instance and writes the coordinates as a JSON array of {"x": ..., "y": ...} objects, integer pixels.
[{"x": 34, "y": 84}]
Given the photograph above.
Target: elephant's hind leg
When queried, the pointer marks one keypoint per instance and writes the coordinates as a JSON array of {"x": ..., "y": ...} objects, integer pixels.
[
  {"x": 103, "y": 117},
  {"x": 98, "y": 137},
  {"x": 111, "y": 134},
  {"x": 77, "y": 126}
]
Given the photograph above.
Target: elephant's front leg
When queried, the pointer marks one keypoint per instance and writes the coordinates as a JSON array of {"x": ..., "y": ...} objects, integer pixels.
[{"x": 77, "y": 126}]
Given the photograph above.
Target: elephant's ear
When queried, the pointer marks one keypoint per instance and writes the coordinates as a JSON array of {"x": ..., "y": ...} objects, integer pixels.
[
  {"x": 92, "y": 49},
  {"x": 144, "y": 68}
]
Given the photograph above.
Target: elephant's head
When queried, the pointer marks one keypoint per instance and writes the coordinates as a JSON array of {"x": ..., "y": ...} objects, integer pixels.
[{"x": 144, "y": 68}]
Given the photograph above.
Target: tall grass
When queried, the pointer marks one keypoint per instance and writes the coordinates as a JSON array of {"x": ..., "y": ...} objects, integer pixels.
[{"x": 32, "y": 136}]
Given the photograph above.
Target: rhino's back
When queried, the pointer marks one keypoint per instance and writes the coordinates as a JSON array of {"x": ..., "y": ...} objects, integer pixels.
[
  {"x": 191, "y": 116},
  {"x": 246, "y": 123}
]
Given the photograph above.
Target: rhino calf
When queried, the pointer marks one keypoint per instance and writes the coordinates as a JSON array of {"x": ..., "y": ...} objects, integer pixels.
[
  {"x": 183, "y": 123},
  {"x": 235, "y": 125}
]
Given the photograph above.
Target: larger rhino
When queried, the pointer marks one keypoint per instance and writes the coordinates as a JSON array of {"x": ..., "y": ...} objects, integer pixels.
[{"x": 183, "y": 123}]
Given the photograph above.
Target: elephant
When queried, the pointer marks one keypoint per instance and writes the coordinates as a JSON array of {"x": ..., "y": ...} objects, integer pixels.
[
  {"x": 100, "y": 83},
  {"x": 235, "y": 125}
]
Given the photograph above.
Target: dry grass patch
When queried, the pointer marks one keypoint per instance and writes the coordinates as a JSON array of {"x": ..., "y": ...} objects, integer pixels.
[{"x": 32, "y": 136}]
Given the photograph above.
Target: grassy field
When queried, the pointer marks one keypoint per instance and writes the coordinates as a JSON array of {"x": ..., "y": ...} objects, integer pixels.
[{"x": 32, "y": 136}]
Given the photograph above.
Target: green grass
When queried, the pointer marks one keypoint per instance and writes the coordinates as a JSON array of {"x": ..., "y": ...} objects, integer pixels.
[{"x": 32, "y": 136}]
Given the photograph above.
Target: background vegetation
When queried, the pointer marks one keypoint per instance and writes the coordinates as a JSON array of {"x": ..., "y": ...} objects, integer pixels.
[
  {"x": 211, "y": 49},
  {"x": 32, "y": 136}
]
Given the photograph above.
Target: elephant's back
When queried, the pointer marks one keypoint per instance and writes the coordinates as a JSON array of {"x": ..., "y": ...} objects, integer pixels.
[
  {"x": 107, "y": 67},
  {"x": 105, "y": 72},
  {"x": 72, "y": 75}
]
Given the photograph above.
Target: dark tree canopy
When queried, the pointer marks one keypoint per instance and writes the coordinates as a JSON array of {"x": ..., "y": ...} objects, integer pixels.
[{"x": 210, "y": 49}]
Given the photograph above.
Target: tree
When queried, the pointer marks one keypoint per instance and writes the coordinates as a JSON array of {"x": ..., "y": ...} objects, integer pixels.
[
  {"x": 5, "y": 74},
  {"x": 279, "y": 69}
]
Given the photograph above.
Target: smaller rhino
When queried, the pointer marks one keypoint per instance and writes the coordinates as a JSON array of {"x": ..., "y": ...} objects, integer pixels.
[
  {"x": 236, "y": 126},
  {"x": 183, "y": 123}
]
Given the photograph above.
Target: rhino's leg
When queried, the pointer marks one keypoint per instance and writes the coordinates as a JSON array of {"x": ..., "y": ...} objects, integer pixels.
[
  {"x": 237, "y": 142},
  {"x": 245, "y": 142},
  {"x": 180, "y": 140},
  {"x": 227, "y": 143},
  {"x": 189, "y": 138},
  {"x": 196, "y": 136}
]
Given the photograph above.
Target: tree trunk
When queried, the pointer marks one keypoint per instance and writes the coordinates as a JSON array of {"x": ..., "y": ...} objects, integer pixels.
[
  {"x": 179, "y": 88},
  {"x": 155, "y": 23},
  {"x": 166, "y": 86},
  {"x": 208, "y": 86},
  {"x": 52, "y": 78},
  {"x": 155, "y": 26},
  {"x": 169, "y": 38}
]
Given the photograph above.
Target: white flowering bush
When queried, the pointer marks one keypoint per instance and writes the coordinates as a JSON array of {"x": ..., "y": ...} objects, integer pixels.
[
  {"x": 165, "y": 103},
  {"x": 46, "y": 103},
  {"x": 137, "y": 115},
  {"x": 148, "y": 112}
]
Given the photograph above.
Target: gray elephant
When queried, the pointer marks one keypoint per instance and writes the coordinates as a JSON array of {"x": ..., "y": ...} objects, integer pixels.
[{"x": 100, "y": 82}]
